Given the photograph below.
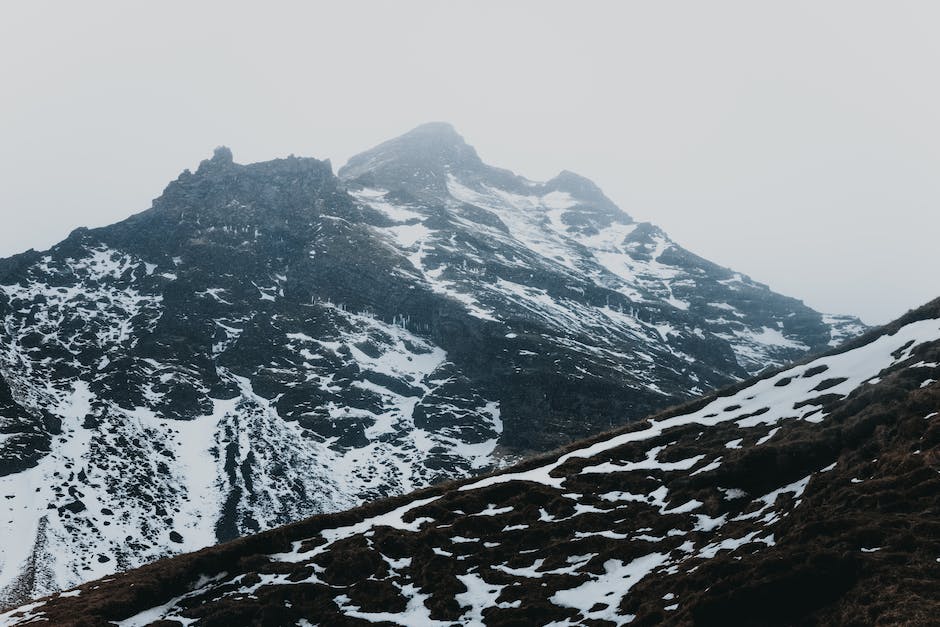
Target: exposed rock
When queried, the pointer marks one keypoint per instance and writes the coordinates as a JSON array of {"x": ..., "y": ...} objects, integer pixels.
[
  {"x": 745, "y": 507},
  {"x": 270, "y": 341}
]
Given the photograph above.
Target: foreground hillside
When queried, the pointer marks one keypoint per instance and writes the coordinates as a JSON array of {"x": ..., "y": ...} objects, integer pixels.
[
  {"x": 271, "y": 341},
  {"x": 808, "y": 496}
]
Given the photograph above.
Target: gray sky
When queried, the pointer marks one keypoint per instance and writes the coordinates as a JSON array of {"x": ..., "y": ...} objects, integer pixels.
[{"x": 797, "y": 142}]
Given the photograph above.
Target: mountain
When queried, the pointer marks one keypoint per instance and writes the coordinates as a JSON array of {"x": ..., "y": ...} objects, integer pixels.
[
  {"x": 272, "y": 341},
  {"x": 808, "y": 495},
  {"x": 564, "y": 244}
]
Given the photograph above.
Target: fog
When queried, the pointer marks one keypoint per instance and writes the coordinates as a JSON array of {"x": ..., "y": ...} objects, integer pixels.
[{"x": 796, "y": 142}]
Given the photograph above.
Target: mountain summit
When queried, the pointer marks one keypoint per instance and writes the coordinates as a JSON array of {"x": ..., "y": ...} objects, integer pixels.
[
  {"x": 271, "y": 341},
  {"x": 419, "y": 159}
]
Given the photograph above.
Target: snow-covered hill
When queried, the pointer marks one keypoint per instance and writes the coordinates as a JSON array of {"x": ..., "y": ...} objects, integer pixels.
[
  {"x": 808, "y": 496},
  {"x": 271, "y": 341}
]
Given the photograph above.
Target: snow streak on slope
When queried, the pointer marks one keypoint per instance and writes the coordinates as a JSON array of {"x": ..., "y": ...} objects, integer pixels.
[
  {"x": 123, "y": 484},
  {"x": 793, "y": 394},
  {"x": 565, "y": 255},
  {"x": 614, "y": 252},
  {"x": 596, "y": 333},
  {"x": 569, "y": 541}
]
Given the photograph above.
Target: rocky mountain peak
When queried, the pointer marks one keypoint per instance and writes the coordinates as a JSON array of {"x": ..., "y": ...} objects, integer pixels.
[
  {"x": 442, "y": 130},
  {"x": 222, "y": 154},
  {"x": 435, "y": 141},
  {"x": 581, "y": 187},
  {"x": 221, "y": 159},
  {"x": 433, "y": 162},
  {"x": 422, "y": 157},
  {"x": 221, "y": 189}
]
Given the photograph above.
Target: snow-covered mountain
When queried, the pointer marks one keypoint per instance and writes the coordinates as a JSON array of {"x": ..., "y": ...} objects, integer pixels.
[
  {"x": 271, "y": 341},
  {"x": 806, "y": 496}
]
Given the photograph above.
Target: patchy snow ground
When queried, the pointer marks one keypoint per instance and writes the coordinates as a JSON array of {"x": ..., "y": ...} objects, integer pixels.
[{"x": 569, "y": 539}]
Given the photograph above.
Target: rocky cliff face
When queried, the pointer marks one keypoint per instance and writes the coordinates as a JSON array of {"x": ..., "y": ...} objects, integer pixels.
[
  {"x": 806, "y": 496},
  {"x": 270, "y": 341}
]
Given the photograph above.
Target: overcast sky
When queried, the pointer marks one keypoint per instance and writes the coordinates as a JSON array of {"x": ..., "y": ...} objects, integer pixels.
[{"x": 797, "y": 142}]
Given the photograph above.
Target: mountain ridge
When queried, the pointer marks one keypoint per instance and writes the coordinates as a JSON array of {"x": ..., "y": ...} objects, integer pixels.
[{"x": 269, "y": 341}]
